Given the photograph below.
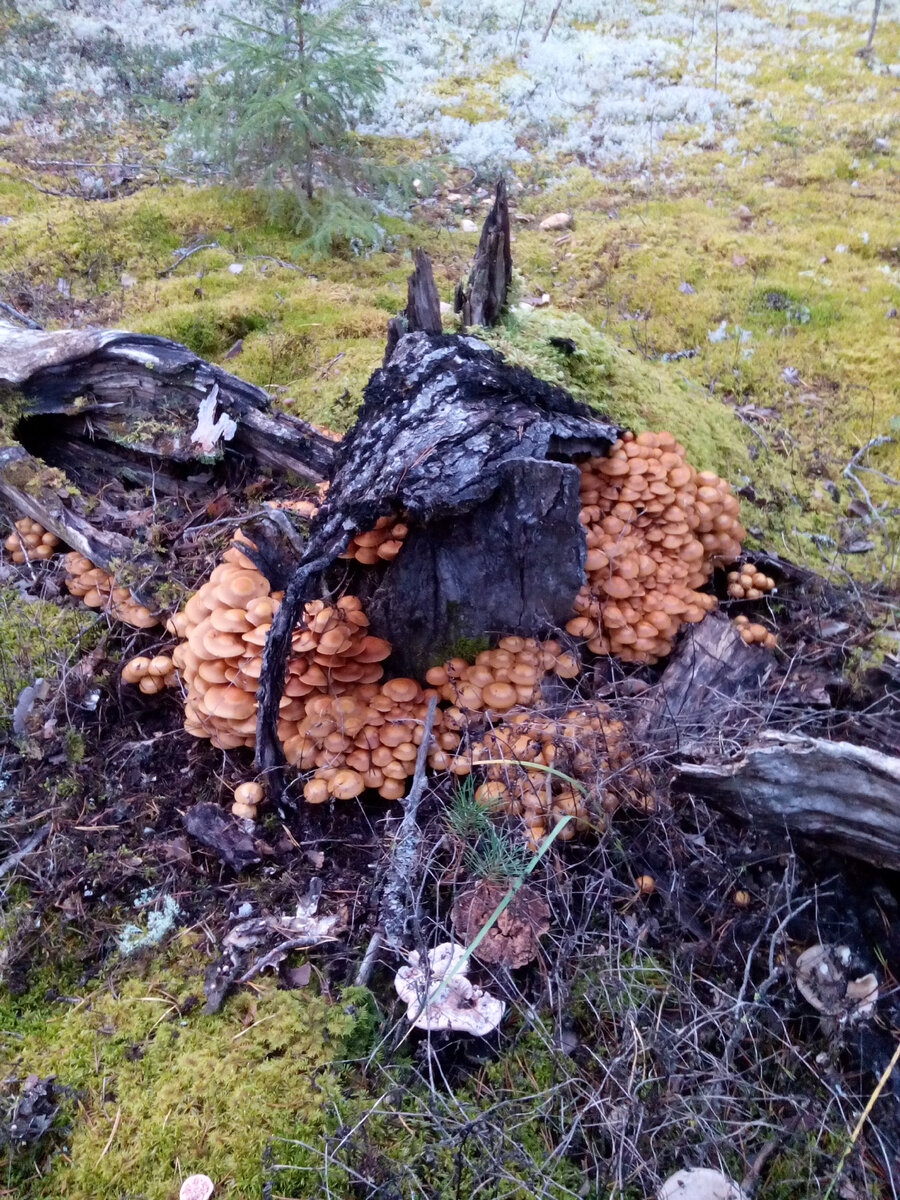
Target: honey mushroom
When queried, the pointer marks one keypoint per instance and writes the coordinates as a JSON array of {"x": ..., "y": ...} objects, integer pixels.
[
  {"x": 30, "y": 542},
  {"x": 247, "y": 798},
  {"x": 655, "y": 529},
  {"x": 97, "y": 589},
  {"x": 749, "y": 583},
  {"x": 151, "y": 674},
  {"x": 380, "y": 544},
  {"x": 755, "y": 634}
]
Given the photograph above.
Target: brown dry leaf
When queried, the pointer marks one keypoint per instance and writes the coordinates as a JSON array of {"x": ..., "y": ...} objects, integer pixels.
[{"x": 514, "y": 940}]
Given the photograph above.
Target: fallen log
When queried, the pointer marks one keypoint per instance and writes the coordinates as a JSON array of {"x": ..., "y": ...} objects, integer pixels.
[
  {"x": 87, "y": 407},
  {"x": 843, "y": 796}
]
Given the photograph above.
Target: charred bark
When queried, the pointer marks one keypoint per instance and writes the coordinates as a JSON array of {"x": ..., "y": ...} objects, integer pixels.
[
  {"x": 477, "y": 457},
  {"x": 423, "y": 305},
  {"x": 482, "y": 300}
]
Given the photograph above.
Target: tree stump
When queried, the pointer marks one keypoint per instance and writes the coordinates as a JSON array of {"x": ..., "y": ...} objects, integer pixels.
[{"x": 477, "y": 458}]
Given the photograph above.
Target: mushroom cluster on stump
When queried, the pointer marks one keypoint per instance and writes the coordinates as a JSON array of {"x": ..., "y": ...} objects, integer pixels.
[
  {"x": 655, "y": 528},
  {"x": 749, "y": 583},
  {"x": 225, "y": 625},
  {"x": 586, "y": 744},
  {"x": 380, "y": 544},
  {"x": 501, "y": 679},
  {"x": 755, "y": 634},
  {"x": 30, "y": 542},
  {"x": 97, "y": 589},
  {"x": 151, "y": 674}
]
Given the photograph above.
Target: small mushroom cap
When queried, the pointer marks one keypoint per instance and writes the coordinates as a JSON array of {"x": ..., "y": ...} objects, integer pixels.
[
  {"x": 247, "y": 811},
  {"x": 135, "y": 670},
  {"x": 248, "y": 793},
  {"x": 401, "y": 691},
  {"x": 347, "y": 784},
  {"x": 316, "y": 791}
]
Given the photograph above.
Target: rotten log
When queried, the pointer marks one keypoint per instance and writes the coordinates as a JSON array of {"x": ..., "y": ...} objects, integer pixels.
[
  {"x": 484, "y": 297},
  {"x": 837, "y": 794},
  {"x": 99, "y": 405},
  {"x": 479, "y": 457}
]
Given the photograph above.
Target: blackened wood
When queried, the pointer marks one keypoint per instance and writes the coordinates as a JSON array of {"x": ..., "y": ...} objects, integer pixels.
[
  {"x": 448, "y": 430},
  {"x": 511, "y": 565},
  {"x": 835, "y": 793},
  {"x": 484, "y": 297},
  {"x": 423, "y": 305}
]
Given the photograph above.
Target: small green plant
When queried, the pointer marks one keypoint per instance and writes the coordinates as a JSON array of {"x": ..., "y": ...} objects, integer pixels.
[
  {"x": 279, "y": 113},
  {"x": 490, "y": 851}
]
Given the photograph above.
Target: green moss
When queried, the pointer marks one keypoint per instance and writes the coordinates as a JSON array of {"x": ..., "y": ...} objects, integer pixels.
[
  {"x": 185, "y": 1092},
  {"x": 39, "y": 640},
  {"x": 621, "y": 386}
]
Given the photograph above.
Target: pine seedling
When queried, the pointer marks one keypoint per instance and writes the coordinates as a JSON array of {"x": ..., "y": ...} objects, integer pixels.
[{"x": 279, "y": 113}]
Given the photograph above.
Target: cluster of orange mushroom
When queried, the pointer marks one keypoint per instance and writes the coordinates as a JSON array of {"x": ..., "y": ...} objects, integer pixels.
[
  {"x": 366, "y": 738},
  {"x": 656, "y": 528},
  {"x": 97, "y": 589},
  {"x": 514, "y": 757},
  {"x": 749, "y": 583},
  {"x": 755, "y": 634},
  {"x": 501, "y": 679},
  {"x": 151, "y": 674},
  {"x": 30, "y": 542},
  {"x": 380, "y": 544}
]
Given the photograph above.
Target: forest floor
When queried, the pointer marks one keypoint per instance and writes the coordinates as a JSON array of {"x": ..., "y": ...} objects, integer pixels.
[{"x": 732, "y": 275}]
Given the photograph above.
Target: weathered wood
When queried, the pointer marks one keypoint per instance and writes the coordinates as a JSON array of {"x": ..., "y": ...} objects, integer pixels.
[
  {"x": 835, "y": 793},
  {"x": 42, "y": 494},
  {"x": 710, "y": 682},
  {"x": 138, "y": 410},
  {"x": 476, "y": 455},
  {"x": 423, "y": 305},
  {"x": 482, "y": 300},
  {"x": 144, "y": 393}
]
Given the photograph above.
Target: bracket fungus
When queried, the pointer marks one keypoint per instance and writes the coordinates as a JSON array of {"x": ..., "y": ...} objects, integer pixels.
[
  {"x": 700, "y": 1183},
  {"x": 457, "y": 1005},
  {"x": 30, "y": 542}
]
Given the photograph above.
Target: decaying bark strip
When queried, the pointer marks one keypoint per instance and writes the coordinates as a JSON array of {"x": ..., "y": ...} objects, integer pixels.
[{"x": 844, "y": 796}]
